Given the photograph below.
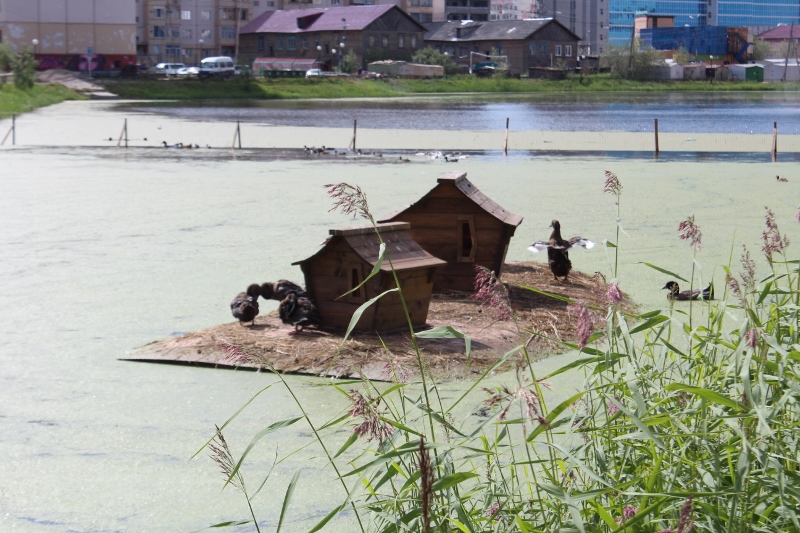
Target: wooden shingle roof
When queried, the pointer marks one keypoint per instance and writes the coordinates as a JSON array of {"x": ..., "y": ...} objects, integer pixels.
[
  {"x": 459, "y": 181},
  {"x": 315, "y": 19},
  {"x": 404, "y": 251},
  {"x": 494, "y": 30}
]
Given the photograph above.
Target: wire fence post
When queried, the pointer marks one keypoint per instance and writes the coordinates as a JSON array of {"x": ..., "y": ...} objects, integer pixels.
[
  {"x": 123, "y": 134},
  {"x": 11, "y": 131},
  {"x": 237, "y": 136},
  {"x": 353, "y": 140}
]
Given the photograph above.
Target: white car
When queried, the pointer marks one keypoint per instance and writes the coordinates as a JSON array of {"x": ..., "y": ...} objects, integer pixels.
[
  {"x": 169, "y": 69},
  {"x": 188, "y": 72},
  {"x": 313, "y": 72},
  {"x": 216, "y": 67}
]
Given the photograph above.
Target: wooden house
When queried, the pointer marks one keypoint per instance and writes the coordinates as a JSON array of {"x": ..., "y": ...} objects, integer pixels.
[
  {"x": 326, "y": 34},
  {"x": 348, "y": 257},
  {"x": 525, "y": 43},
  {"x": 458, "y": 223}
]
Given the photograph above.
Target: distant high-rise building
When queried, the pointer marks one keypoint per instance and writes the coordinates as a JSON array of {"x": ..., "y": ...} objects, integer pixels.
[
  {"x": 589, "y": 19},
  {"x": 59, "y": 32},
  {"x": 756, "y": 14},
  {"x": 186, "y": 31}
]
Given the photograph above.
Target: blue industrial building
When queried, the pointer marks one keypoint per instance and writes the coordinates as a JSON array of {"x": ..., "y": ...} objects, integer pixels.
[{"x": 700, "y": 14}]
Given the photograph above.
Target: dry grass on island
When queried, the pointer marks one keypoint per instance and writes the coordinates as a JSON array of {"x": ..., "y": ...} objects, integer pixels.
[{"x": 315, "y": 352}]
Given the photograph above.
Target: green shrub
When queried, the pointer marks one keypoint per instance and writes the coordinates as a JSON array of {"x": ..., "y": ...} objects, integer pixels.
[{"x": 23, "y": 65}]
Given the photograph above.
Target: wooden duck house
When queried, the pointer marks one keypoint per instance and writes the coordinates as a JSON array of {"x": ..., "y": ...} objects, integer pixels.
[
  {"x": 458, "y": 223},
  {"x": 348, "y": 257}
]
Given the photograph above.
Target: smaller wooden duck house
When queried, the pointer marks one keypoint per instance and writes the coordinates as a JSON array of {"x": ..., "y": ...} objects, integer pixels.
[
  {"x": 348, "y": 257},
  {"x": 458, "y": 223}
]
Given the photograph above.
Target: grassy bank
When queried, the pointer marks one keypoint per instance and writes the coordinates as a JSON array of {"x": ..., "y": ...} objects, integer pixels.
[
  {"x": 290, "y": 88},
  {"x": 14, "y": 101}
]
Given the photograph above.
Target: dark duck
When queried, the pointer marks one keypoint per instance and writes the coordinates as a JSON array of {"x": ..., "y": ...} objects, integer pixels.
[
  {"x": 245, "y": 305},
  {"x": 280, "y": 289},
  {"x": 675, "y": 292},
  {"x": 298, "y": 311},
  {"x": 557, "y": 250}
]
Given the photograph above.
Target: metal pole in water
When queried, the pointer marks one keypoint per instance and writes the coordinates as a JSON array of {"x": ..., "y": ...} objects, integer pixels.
[
  {"x": 355, "y": 127},
  {"x": 239, "y": 134},
  {"x": 655, "y": 121},
  {"x": 774, "y": 140}
]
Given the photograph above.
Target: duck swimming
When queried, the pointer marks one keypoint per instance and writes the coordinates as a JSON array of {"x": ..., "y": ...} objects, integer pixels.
[
  {"x": 697, "y": 294},
  {"x": 280, "y": 289},
  {"x": 298, "y": 311},
  {"x": 557, "y": 248},
  {"x": 245, "y": 305}
]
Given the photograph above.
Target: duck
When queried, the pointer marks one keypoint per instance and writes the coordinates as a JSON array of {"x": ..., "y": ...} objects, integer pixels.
[
  {"x": 245, "y": 305},
  {"x": 280, "y": 289},
  {"x": 449, "y": 159},
  {"x": 784, "y": 180},
  {"x": 557, "y": 250},
  {"x": 697, "y": 294},
  {"x": 298, "y": 311},
  {"x": 177, "y": 145}
]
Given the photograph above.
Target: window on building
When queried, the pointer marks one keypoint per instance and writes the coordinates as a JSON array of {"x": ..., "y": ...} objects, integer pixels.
[
  {"x": 158, "y": 13},
  {"x": 205, "y": 34},
  {"x": 186, "y": 15},
  {"x": 256, "y": 3},
  {"x": 227, "y": 32},
  {"x": 601, "y": 11},
  {"x": 498, "y": 48},
  {"x": 568, "y": 50},
  {"x": 372, "y": 41},
  {"x": 543, "y": 48},
  {"x": 532, "y": 49},
  {"x": 450, "y": 50},
  {"x": 175, "y": 32},
  {"x": 413, "y": 41},
  {"x": 243, "y": 14},
  {"x": 356, "y": 278},
  {"x": 385, "y": 41},
  {"x": 260, "y": 43},
  {"x": 158, "y": 31},
  {"x": 558, "y": 50},
  {"x": 187, "y": 35},
  {"x": 228, "y": 13},
  {"x": 205, "y": 15},
  {"x": 172, "y": 50},
  {"x": 157, "y": 49},
  {"x": 426, "y": 17},
  {"x": 279, "y": 45},
  {"x": 304, "y": 42},
  {"x": 401, "y": 41},
  {"x": 271, "y": 3},
  {"x": 467, "y": 243},
  {"x": 291, "y": 42}
]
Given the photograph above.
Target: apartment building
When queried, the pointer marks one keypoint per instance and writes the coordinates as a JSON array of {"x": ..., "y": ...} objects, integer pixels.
[
  {"x": 63, "y": 32},
  {"x": 186, "y": 31},
  {"x": 587, "y": 18}
]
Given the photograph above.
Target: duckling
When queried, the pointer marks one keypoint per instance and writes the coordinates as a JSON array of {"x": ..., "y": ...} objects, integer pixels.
[
  {"x": 784, "y": 180},
  {"x": 449, "y": 159},
  {"x": 245, "y": 305},
  {"x": 557, "y": 247},
  {"x": 697, "y": 294},
  {"x": 298, "y": 311},
  {"x": 280, "y": 290}
]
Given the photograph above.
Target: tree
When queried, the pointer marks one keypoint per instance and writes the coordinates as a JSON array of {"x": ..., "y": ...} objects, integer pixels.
[
  {"x": 349, "y": 62},
  {"x": 630, "y": 62},
  {"x": 23, "y": 65},
  {"x": 6, "y": 55},
  {"x": 761, "y": 49},
  {"x": 681, "y": 55},
  {"x": 430, "y": 56}
]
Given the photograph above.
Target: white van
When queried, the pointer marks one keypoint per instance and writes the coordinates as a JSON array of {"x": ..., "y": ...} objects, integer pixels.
[
  {"x": 216, "y": 67},
  {"x": 169, "y": 69}
]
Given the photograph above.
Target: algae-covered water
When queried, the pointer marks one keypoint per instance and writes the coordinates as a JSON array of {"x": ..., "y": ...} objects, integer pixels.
[{"x": 103, "y": 250}]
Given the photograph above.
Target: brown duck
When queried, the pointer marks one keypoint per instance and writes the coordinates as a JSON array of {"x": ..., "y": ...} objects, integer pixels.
[
  {"x": 557, "y": 250},
  {"x": 298, "y": 311},
  {"x": 675, "y": 292},
  {"x": 245, "y": 305},
  {"x": 280, "y": 289}
]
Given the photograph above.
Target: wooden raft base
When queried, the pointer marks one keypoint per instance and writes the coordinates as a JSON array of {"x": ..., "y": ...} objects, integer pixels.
[{"x": 314, "y": 352}]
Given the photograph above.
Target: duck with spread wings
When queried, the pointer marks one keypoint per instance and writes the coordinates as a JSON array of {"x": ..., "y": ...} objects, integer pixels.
[{"x": 557, "y": 250}]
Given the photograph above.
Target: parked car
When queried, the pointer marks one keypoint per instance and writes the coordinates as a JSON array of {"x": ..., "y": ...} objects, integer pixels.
[
  {"x": 216, "y": 67},
  {"x": 168, "y": 69},
  {"x": 313, "y": 72},
  {"x": 190, "y": 72}
]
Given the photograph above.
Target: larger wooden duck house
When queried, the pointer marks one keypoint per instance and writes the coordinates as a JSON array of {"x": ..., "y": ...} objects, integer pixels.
[
  {"x": 458, "y": 223},
  {"x": 348, "y": 257}
]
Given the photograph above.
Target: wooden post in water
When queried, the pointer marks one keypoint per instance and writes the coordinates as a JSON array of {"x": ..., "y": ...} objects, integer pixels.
[
  {"x": 237, "y": 136},
  {"x": 353, "y": 140},
  {"x": 13, "y": 118},
  {"x": 774, "y": 140},
  {"x": 505, "y": 142},
  {"x": 123, "y": 134},
  {"x": 655, "y": 122}
]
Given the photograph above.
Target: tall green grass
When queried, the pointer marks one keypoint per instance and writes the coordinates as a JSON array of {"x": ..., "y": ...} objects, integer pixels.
[
  {"x": 14, "y": 100},
  {"x": 682, "y": 423}
]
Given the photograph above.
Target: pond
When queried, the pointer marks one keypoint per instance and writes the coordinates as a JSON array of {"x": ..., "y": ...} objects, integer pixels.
[{"x": 105, "y": 250}]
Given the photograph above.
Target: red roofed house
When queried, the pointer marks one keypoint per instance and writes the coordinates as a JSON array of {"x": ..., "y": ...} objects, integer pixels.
[
  {"x": 325, "y": 34},
  {"x": 781, "y": 34}
]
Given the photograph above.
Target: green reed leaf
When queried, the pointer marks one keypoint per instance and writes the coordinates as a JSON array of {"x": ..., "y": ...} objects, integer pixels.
[
  {"x": 554, "y": 413},
  {"x": 349, "y": 442},
  {"x": 452, "y": 480},
  {"x": 663, "y": 270},
  {"x": 225, "y": 524},
  {"x": 375, "y": 270},
  {"x": 363, "y": 307},
  {"x": 709, "y": 395},
  {"x": 273, "y": 427},
  {"x": 327, "y": 518},
  {"x": 287, "y": 499},
  {"x": 447, "y": 332},
  {"x": 654, "y": 321}
]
